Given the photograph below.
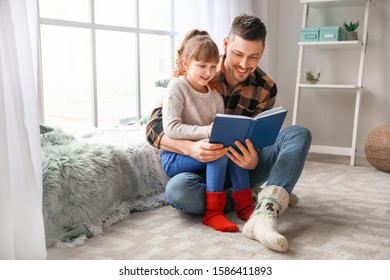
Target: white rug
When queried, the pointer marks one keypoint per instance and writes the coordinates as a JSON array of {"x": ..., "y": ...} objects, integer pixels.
[{"x": 343, "y": 214}]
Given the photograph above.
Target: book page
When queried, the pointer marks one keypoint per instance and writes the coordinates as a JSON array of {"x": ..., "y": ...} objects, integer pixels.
[
  {"x": 270, "y": 112},
  {"x": 233, "y": 116}
]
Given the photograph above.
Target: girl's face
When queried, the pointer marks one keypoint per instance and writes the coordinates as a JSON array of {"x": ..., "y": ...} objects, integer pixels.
[{"x": 200, "y": 73}]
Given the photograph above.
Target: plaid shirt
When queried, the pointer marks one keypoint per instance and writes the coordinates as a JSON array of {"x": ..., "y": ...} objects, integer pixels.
[{"x": 249, "y": 98}]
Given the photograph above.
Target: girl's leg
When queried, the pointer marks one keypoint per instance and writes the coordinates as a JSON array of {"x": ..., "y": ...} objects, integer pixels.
[
  {"x": 215, "y": 174},
  {"x": 242, "y": 195},
  {"x": 239, "y": 177},
  {"x": 216, "y": 197},
  {"x": 174, "y": 164}
]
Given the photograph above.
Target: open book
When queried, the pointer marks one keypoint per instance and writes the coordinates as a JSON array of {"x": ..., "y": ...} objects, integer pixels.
[{"x": 262, "y": 129}]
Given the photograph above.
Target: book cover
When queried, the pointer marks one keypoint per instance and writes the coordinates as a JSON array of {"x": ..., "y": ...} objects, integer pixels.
[{"x": 262, "y": 130}]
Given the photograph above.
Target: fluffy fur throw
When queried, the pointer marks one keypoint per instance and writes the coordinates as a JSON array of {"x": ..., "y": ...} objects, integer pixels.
[{"x": 89, "y": 184}]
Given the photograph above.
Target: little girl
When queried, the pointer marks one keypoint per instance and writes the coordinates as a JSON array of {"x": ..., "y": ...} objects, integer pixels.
[{"x": 189, "y": 108}]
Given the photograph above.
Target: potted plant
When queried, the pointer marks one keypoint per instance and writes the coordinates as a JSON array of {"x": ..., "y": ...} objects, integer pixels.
[
  {"x": 350, "y": 28},
  {"x": 312, "y": 76}
]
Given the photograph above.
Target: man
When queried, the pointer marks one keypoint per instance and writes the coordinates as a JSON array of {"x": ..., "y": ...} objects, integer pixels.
[{"x": 246, "y": 90}]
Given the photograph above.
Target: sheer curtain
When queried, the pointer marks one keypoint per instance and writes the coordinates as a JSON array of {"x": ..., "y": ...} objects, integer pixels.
[
  {"x": 22, "y": 229},
  {"x": 215, "y": 16}
]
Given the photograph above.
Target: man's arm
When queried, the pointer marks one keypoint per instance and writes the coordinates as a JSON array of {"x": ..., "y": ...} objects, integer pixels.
[{"x": 154, "y": 128}]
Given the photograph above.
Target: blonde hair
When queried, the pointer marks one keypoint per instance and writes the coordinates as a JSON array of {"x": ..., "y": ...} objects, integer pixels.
[{"x": 198, "y": 45}]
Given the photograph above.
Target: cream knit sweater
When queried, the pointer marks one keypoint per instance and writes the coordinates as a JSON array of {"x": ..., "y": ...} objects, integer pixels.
[{"x": 187, "y": 113}]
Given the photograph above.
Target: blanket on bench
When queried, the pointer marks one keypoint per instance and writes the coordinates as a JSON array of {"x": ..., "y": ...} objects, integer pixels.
[{"x": 96, "y": 179}]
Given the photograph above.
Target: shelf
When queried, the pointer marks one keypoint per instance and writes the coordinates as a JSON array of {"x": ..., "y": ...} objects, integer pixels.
[
  {"x": 332, "y": 45},
  {"x": 329, "y": 86},
  {"x": 322, "y": 6},
  {"x": 333, "y": 3},
  {"x": 331, "y": 150}
]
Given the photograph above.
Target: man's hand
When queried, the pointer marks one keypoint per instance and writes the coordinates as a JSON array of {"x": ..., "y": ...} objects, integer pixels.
[
  {"x": 204, "y": 151},
  {"x": 247, "y": 157}
]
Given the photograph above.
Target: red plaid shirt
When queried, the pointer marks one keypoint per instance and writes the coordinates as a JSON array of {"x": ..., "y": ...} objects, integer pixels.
[{"x": 253, "y": 96}]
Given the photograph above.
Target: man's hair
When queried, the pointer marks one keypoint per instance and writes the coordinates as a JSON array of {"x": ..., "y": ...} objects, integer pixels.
[{"x": 249, "y": 28}]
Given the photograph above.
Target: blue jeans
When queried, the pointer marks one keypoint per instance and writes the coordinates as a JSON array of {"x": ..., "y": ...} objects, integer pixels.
[
  {"x": 280, "y": 164},
  {"x": 175, "y": 164}
]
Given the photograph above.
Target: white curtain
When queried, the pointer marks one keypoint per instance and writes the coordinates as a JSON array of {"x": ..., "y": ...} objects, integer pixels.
[
  {"x": 216, "y": 16},
  {"x": 22, "y": 229}
]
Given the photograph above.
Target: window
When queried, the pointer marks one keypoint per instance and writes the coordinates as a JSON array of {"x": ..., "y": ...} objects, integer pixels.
[{"x": 100, "y": 59}]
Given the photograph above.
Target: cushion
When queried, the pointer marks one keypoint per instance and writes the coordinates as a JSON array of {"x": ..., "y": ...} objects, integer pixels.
[
  {"x": 377, "y": 147},
  {"x": 160, "y": 91}
]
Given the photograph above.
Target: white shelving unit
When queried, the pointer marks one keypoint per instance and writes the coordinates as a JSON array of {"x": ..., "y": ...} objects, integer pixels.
[{"x": 354, "y": 88}]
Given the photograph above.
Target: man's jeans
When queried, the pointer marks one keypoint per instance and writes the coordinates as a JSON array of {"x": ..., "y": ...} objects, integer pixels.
[{"x": 280, "y": 164}]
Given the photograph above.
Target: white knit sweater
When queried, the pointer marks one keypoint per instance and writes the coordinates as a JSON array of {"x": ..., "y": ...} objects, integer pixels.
[{"x": 187, "y": 113}]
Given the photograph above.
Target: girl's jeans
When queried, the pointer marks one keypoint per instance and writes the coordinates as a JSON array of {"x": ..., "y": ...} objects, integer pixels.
[
  {"x": 176, "y": 164},
  {"x": 280, "y": 164}
]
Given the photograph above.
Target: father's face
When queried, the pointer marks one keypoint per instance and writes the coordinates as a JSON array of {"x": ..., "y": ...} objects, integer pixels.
[{"x": 242, "y": 58}]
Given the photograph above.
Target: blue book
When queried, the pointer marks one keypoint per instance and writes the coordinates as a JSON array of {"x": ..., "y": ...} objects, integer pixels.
[{"x": 262, "y": 129}]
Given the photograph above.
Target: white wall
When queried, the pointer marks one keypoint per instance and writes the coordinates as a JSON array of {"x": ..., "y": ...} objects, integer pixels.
[{"x": 329, "y": 114}]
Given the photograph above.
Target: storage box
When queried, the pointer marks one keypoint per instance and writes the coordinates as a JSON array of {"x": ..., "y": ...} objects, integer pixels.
[
  {"x": 310, "y": 34},
  {"x": 332, "y": 33}
]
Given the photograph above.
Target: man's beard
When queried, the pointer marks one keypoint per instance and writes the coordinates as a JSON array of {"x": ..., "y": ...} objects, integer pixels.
[{"x": 231, "y": 70}]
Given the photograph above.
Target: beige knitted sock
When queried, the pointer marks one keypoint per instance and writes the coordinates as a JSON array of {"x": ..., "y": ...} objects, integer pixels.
[
  {"x": 293, "y": 200},
  {"x": 262, "y": 225}
]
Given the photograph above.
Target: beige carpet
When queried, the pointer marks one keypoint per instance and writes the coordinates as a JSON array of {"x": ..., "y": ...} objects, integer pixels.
[{"x": 343, "y": 214}]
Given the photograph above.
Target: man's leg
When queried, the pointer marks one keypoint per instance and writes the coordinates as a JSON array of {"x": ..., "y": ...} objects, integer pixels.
[
  {"x": 282, "y": 163},
  {"x": 281, "y": 166}
]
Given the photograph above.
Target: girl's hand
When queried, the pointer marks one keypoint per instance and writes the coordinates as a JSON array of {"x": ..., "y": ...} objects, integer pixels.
[
  {"x": 209, "y": 130},
  {"x": 204, "y": 151}
]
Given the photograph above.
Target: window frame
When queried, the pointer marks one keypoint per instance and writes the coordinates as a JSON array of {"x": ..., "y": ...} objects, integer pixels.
[{"x": 93, "y": 27}]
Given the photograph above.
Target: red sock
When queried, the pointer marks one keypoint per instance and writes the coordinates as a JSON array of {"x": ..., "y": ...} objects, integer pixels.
[
  {"x": 243, "y": 203},
  {"x": 214, "y": 217},
  {"x": 218, "y": 221}
]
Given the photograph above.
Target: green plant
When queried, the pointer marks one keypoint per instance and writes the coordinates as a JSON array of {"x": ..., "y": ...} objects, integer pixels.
[
  {"x": 311, "y": 76},
  {"x": 350, "y": 27}
]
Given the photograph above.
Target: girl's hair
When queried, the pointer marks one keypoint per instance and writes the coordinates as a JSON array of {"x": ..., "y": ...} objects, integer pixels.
[{"x": 198, "y": 45}]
